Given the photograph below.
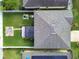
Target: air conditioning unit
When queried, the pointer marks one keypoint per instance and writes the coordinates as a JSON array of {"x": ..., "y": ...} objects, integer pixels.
[
  {"x": 52, "y": 29},
  {"x": 25, "y": 17},
  {"x": 45, "y": 55},
  {"x": 32, "y": 4}
]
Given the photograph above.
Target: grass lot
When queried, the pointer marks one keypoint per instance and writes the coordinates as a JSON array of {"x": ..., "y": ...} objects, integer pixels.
[
  {"x": 12, "y": 53},
  {"x": 12, "y": 4},
  {"x": 1, "y": 7},
  {"x": 75, "y": 26},
  {"x": 76, "y": 15},
  {"x": 16, "y": 20},
  {"x": 75, "y": 49}
]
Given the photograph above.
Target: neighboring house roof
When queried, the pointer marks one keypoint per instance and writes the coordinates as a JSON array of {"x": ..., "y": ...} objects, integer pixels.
[
  {"x": 44, "y": 3},
  {"x": 28, "y": 31},
  {"x": 45, "y": 55},
  {"x": 52, "y": 29}
]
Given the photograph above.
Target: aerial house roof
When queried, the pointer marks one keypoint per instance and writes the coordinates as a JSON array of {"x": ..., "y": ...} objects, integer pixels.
[
  {"x": 32, "y": 4},
  {"x": 52, "y": 29}
]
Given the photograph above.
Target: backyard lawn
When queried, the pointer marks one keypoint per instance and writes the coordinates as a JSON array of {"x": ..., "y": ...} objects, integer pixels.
[
  {"x": 16, "y": 20},
  {"x": 1, "y": 7},
  {"x": 12, "y": 4},
  {"x": 12, "y": 54},
  {"x": 75, "y": 25},
  {"x": 75, "y": 49}
]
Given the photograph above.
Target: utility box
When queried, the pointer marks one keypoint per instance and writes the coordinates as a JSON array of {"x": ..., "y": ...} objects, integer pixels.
[
  {"x": 45, "y": 55},
  {"x": 52, "y": 29}
]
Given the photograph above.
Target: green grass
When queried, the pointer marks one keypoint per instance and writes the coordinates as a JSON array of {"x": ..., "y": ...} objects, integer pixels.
[
  {"x": 12, "y": 5},
  {"x": 12, "y": 53},
  {"x": 75, "y": 25},
  {"x": 1, "y": 7},
  {"x": 15, "y": 20},
  {"x": 75, "y": 49}
]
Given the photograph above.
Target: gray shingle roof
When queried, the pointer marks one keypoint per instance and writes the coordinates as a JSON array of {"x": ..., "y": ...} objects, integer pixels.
[
  {"x": 52, "y": 29},
  {"x": 44, "y": 3}
]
